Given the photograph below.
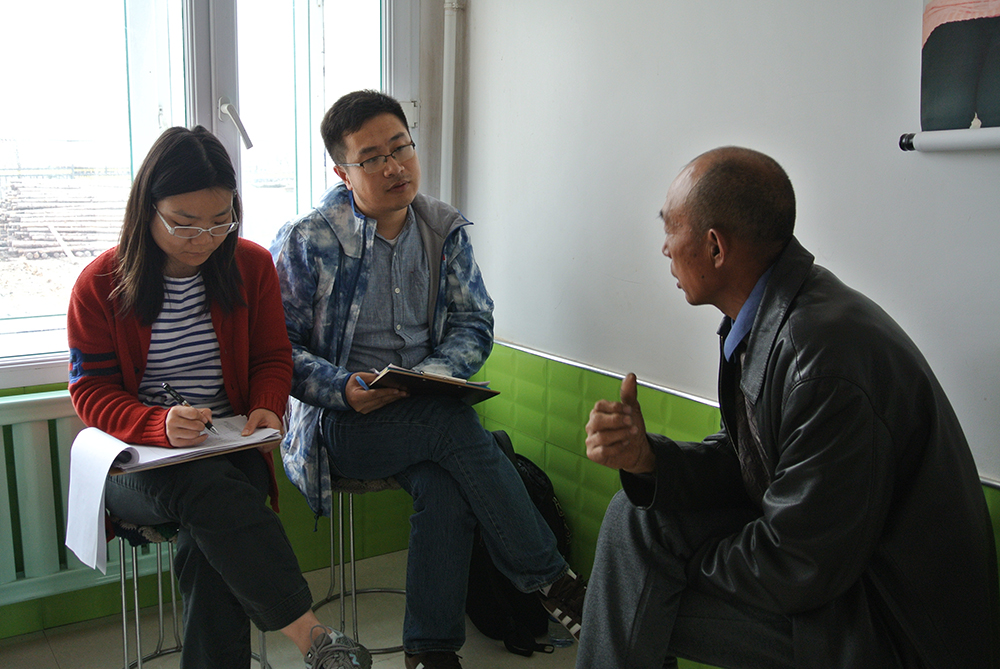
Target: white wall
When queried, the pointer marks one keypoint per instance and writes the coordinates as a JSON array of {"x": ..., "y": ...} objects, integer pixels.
[{"x": 579, "y": 113}]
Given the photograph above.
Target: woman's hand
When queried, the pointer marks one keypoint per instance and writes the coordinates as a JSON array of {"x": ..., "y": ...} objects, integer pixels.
[
  {"x": 185, "y": 425},
  {"x": 263, "y": 418}
]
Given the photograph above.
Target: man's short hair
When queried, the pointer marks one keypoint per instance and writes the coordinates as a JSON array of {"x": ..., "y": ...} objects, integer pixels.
[
  {"x": 745, "y": 193},
  {"x": 352, "y": 111}
]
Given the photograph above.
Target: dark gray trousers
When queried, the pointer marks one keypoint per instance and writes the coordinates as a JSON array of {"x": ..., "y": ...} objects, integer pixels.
[
  {"x": 234, "y": 562},
  {"x": 640, "y": 613}
]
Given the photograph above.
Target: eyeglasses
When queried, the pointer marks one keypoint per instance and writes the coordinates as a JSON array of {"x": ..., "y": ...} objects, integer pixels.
[
  {"x": 191, "y": 231},
  {"x": 375, "y": 163}
]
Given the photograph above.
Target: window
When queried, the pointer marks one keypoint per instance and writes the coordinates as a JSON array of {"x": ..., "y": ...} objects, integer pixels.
[
  {"x": 64, "y": 159},
  {"x": 287, "y": 169},
  {"x": 112, "y": 76}
]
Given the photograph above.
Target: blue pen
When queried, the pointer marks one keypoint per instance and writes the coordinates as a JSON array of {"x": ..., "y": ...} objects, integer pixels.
[
  {"x": 361, "y": 382},
  {"x": 183, "y": 402}
]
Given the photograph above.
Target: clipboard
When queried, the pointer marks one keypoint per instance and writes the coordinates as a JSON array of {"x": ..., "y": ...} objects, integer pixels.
[{"x": 425, "y": 383}]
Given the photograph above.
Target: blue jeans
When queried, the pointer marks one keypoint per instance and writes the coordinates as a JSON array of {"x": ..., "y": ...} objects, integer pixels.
[
  {"x": 234, "y": 562},
  {"x": 441, "y": 455}
]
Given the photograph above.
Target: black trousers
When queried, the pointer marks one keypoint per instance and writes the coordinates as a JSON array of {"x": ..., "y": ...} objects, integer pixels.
[
  {"x": 234, "y": 561},
  {"x": 960, "y": 75},
  {"x": 640, "y": 614}
]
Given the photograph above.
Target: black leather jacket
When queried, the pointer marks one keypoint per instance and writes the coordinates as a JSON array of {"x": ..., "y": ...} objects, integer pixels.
[{"x": 874, "y": 536}]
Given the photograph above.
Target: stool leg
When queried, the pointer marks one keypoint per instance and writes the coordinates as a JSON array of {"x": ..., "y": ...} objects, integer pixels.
[
  {"x": 173, "y": 597},
  {"x": 351, "y": 589},
  {"x": 261, "y": 657},
  {"x": 123, "y": 577},
  {"x": 354, "y": 574},
  {"x": 263, "y": 650},
  {"x": 343, "y": 572},
  {"x": 333, "y": 558},
  {"x": 336, "y": 530},
  {"x": 159, "y": 599},
  {"x": 135, "y": 597},
  {"x": 330, "y": 595},
  {"x": 355, "y": 591}
]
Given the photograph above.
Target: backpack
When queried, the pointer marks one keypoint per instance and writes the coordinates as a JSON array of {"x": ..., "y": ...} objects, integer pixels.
[{"x": 498, "y": 609}]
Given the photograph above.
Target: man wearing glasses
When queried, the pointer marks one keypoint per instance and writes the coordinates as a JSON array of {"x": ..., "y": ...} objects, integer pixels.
[{"x": 380, "y": 273}]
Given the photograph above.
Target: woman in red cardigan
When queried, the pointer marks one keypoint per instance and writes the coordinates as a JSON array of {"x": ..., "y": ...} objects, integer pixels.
[{"x": 183, "y": 300}]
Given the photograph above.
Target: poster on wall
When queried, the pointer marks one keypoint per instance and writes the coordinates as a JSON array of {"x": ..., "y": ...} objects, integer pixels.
[{"x": 960, "y": 65}]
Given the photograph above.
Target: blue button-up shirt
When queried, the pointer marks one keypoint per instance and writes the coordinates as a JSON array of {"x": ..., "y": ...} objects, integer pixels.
[{"x": 748, "y": 313}]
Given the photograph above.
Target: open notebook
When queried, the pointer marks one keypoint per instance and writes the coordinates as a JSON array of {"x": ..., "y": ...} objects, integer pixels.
[
  {"x": 135, "y": 457},
  {"x": 96, "y": 454}
]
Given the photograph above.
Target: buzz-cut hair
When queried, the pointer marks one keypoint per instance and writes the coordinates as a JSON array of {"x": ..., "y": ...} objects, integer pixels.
[{"x": 745, "y": 193}]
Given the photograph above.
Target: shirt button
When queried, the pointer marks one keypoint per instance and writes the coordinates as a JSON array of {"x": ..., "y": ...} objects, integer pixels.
[
  {"x": 396, "y": 290},
  {"x": 399, "y": 327}
]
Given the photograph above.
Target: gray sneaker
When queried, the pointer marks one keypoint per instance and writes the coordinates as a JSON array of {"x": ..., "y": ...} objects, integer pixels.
[{"x": 333, "y": 650}]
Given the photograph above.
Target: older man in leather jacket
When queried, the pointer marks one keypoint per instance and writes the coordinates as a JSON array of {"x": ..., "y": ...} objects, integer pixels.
[{"x": 837, "y": 519}]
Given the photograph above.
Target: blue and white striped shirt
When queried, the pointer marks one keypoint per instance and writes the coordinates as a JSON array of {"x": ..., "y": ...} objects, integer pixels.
[{"x": 184, "y": 350}]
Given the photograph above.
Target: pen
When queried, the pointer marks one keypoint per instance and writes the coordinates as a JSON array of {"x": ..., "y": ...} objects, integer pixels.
[
  {"x": 361, "y": 382},
  {"x": 183, "y": 402}
]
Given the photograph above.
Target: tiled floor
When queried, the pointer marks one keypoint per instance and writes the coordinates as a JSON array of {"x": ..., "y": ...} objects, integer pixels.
[{"x": 96, "y": 644}]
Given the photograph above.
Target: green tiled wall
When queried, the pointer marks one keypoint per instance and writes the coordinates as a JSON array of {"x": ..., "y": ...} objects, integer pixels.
[
  {"x": 544, "y": 405},
  {"x": 993, "y": 502}
]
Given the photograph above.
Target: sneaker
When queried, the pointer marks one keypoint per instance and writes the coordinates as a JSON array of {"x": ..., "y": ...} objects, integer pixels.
[
  {"x": 564, "y": 601},
  {"x": 333, "y": 650},
  {"x": 435, "y": 659}
]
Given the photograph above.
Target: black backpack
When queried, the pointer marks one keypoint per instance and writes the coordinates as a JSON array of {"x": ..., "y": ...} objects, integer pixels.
[{"x": 498, "y": 609}]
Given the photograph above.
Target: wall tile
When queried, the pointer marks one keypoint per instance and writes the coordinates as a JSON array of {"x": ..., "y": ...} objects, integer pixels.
[{"x": 544, "y": 405}]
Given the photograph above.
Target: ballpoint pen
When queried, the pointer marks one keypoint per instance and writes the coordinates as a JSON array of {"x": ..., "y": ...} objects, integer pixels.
[{"x": 183, "y": 402}]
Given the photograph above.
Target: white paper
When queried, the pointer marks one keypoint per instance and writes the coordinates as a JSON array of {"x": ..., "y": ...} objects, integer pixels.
[
  {"x": 90, "y": 459},
  {"x": 95, "y": 452},
  {"x": 133, "y": 456}
]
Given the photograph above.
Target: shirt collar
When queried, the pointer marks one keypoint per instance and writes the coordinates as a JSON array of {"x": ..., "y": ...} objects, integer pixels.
[
  {"x": 744, "y": 320},
  {"x": 359, "y": 214}
]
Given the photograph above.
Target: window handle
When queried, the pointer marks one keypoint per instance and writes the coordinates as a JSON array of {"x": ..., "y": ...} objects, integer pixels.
[{"x": 229, "y": 109}]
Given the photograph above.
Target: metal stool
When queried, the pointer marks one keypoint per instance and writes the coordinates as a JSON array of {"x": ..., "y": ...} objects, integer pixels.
[
  {"x": 352, "y": 487},
  {"x": 138, "y": 536}
]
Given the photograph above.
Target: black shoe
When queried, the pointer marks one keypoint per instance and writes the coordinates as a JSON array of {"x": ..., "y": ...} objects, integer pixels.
[
  {"x": 435, "y": 659},
  {"x": 565, "y": 601}
]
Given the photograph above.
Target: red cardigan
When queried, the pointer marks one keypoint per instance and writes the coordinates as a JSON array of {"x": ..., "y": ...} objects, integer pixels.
[{"x": 108, "y": 353}]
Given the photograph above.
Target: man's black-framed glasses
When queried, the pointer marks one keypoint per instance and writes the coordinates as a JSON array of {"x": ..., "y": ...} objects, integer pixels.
[{"x": 376, "y": 163}]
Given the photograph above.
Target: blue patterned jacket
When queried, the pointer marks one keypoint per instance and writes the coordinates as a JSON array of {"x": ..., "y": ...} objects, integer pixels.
[{"x": 323, "y": 260}]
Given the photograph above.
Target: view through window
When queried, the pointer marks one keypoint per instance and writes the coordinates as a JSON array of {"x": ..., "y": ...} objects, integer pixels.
[
  {"x": 81, "y": 112},
  {"x": 285, "y": 88},
  {"x": 64, "y": 156}
]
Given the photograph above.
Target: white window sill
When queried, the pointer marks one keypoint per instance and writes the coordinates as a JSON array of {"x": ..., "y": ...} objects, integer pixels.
[
  {"x": 33, "y": 351},
  {"x": 34, "y": 370}
]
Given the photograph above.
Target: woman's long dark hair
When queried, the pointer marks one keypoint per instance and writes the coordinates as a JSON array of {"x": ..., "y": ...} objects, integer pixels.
[{"x": 180, "y": 161}]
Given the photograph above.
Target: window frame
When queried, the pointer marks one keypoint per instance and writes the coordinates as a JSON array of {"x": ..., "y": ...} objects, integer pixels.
[{"x": 211, "y": 74}]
